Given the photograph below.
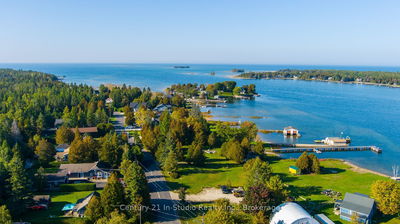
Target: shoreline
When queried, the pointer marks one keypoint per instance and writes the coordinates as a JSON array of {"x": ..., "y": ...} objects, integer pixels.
[
  {"x": 359, "y": 169},
  {"x": 319, "y": 80}
]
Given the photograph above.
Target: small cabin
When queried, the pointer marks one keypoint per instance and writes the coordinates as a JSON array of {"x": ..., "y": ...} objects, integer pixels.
[
  {"x": 294, "y": 170},
  {"x": 290, "y": 131}
]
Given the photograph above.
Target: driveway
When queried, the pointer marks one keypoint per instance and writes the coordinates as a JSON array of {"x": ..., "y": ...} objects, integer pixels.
[{"x": 161, "y": 200}]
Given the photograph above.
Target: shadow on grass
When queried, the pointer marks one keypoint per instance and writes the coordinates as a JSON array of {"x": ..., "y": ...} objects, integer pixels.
[
  {"x": 331, "y": 170},
  {"x": 298, "y": 191},
  {"x": 176, "y": 185}
]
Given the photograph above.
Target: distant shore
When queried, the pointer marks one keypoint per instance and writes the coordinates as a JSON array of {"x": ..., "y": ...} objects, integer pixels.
[{"x": 319, "y": 80}]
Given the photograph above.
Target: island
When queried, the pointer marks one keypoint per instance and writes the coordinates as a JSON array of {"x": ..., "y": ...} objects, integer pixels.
[
  {"x": 391, "y": 79},
  {"x": 181, "y": 66}
]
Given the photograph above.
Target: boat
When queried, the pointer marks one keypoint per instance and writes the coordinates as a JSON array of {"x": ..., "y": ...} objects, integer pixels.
[
  {"x": 318, "y": 141},
  {"x": 317, "y": 151}
]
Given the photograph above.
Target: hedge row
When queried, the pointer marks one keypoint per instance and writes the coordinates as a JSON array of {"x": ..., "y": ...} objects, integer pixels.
[{"x": 78, "y": 187}]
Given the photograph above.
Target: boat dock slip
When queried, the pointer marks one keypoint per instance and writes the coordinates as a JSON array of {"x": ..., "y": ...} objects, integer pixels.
[{"x": 329, "y": 149}]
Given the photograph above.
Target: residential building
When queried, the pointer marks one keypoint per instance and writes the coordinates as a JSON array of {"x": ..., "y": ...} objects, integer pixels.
[
  {"x": 84, "y": 170},
  {"x": 357, "y": 204}
]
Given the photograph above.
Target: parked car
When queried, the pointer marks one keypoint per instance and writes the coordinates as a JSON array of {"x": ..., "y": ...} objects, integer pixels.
[
  {"x": 225, "y": 189},
  {"x": 37, "y": 207},
  {"x": 238, "y": 192}
]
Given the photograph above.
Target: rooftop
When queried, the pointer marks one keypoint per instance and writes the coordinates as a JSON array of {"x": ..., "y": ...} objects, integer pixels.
[{"x": 358, "y": 202}]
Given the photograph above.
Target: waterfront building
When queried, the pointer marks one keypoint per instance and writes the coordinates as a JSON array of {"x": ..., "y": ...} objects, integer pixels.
[
  {"x": 357, "y": 204},
  {"x": 290, "y": 131}
]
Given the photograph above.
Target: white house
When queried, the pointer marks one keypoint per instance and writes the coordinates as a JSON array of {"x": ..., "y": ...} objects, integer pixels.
[
  {"x": 109, "y": 100},
  {"x": 290, "y": 131},
  {"x": 291, "y": 213}
]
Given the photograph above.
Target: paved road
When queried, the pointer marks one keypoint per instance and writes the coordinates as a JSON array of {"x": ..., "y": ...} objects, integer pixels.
[
  {"x": 161, "y": 200},
  {"x": 119, "y": 122}
]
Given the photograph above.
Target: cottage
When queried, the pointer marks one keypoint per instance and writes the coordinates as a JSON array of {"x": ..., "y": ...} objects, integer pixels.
[
  {"x": 42, "y": 199},
  {"x": 335, "y": 141},
  {"x": 290, "y": 131},
  {"x": 294, "y": 170},
  {"x": 291, "y": 213},
  {"x": 84, "y": 170},
  {"x": 55, "y": 179},
  {"x": 359, "y": 204}
]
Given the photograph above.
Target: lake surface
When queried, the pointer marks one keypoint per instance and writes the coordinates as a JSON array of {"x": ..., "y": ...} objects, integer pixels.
[{"x": 368, "y": 114}]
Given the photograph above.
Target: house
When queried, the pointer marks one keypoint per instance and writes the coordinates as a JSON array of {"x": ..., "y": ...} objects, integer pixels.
[
  {"x": 80, "y": 206},
  {"x": 290, "y": 131},
  {"x": 62, "y": 147},
  {"x": 58, "y": 123},
  {"x": 291, "y": 213},
  {"x": 323, "y": 219},
  {"x": 109, "y": 101},
  {"x": 294, "y": 170},
  {"x": 161, "y": 108},
  {"x": 134, "y": 106},
  {"x": 84, "y": 171},
  {"x": 359, "y": 204},
  {"x": 335, "y": 141}
]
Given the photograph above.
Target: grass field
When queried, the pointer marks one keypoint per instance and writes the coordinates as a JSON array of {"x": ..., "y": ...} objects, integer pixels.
[
  {"x": 53, "y": 215},
  {"x": 216, "y": 171},
  {"x": 335, "y": 175}
]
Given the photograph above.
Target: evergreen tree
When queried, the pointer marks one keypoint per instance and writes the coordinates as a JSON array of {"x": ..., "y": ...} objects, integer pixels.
[
  {"x": 195, "y": 154},
  {"x": 259, "y": 148},
  {"x": 20, "y": 184},
  {"x": 113, "y": 195},
  {"x": 5, "y": 217},
  {"x": 5, "y": 153},
  {"x": 171, "y": 164},
  {"x": 259, "y": 172},
  {"x": 40, "y": 179},
  {"x": 94, "y": 209},
  {"x": 304, "y": 163}
]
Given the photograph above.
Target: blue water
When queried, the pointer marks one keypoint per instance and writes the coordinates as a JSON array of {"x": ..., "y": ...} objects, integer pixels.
[{"x": 368, "y": 114}]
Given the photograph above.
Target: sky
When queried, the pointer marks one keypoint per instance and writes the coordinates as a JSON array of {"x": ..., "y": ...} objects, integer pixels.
[{"x": 309, "y": 32}]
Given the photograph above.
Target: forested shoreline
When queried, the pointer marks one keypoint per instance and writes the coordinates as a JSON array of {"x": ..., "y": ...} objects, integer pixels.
[{"x": 346, "y": 76}]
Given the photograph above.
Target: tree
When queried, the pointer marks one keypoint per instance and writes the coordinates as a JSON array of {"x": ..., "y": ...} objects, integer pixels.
[
  {"x": 212, "y": 140},
  {"x": 19, "y": 183},
  {"x": 45, "y": 152},
  {"x": 220, "y": 214},
  {"x": 304, "y": 163},
  {"x": 171, "y": 164},
  {"x": 110, "y": 150},
  {"x": 115, "y": 218},
  {"x": 113, "y": 195},
  {"x": 237, "y": 90},
  {"x": 129, "y": 118},
  {"x": 236, "y": 152},
  {"x": 258, "y": 198},
  {"x": 387, "y": 195},
  {"x": 5, "y": 153},
  {"x": 259, "y": 148},
  {"x": 40, "y": 179},
  {"x": 64, "y": 135},
  {"x": 315, "y": 167},
  {"x": 259, "y": 172},
  {"x": 143, "y": 116},
  {"x": 5, "y": 217},
  {"x": 137, "y": 193},
  {"x": 278, "y": 189},
  {"x": 195, "y": 154},
  {"x": 94, "y": 209}
]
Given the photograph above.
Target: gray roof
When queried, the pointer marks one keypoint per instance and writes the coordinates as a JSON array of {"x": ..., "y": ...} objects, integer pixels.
[
  {"x": 358, "y": 202},
  {"x": 77, "y": 167},
  {"x": 134, "y": 105}
]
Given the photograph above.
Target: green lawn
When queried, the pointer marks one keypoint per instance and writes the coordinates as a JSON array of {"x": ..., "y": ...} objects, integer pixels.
[
  {"x": 335, "y": 175},
  {"x": 305, "y": 188},
  {"x": 54, "y": 214},
  {"x": 216, "y": 171}
]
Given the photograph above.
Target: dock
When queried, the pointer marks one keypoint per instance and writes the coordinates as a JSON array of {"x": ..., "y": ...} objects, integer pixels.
[{"x": 329, "y": 149}]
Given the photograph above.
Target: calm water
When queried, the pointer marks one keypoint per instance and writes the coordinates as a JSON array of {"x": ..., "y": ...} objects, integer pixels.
[{"x": 368, "y": 114}]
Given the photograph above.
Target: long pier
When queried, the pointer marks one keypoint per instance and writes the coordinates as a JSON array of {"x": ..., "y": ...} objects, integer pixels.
[{"x": 329, "y": 149}]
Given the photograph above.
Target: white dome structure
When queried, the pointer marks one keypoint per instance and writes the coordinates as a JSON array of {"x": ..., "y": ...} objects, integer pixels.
[{"x": 291, "y": 213}]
